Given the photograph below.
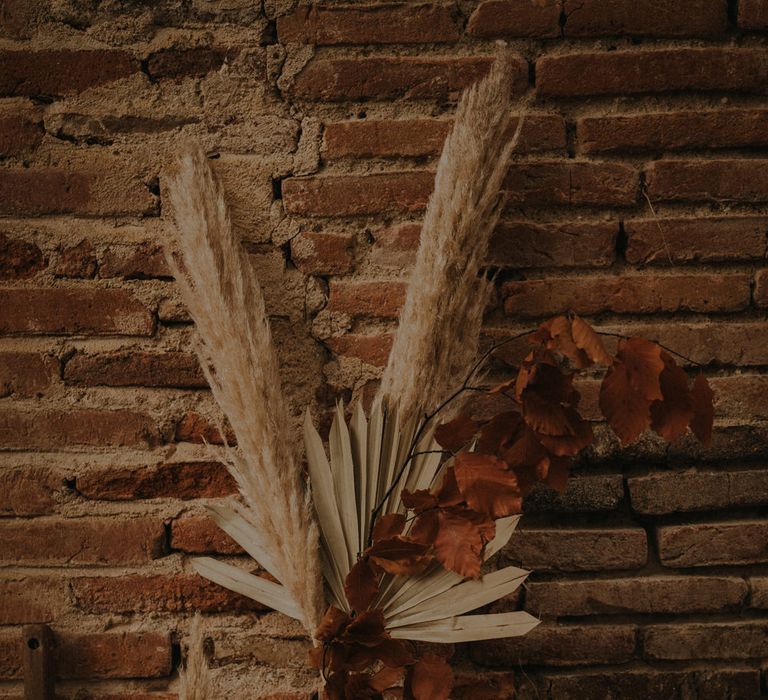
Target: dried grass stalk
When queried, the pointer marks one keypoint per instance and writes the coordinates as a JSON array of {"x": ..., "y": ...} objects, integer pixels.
[
  {"x": 439, "y": 329},
  {"x": 194, "y": 679},
  {"x": 220, "y": 289}
]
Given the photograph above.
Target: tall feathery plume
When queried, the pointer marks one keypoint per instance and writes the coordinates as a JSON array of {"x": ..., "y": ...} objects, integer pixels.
[
  {"x": 220, "y": 289},
  {"x": 439, "y": 330},
  {"x": 194, "y": 678}
]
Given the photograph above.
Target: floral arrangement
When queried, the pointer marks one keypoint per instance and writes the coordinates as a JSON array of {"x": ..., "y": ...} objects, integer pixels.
[{"x": 381, "y": 544}]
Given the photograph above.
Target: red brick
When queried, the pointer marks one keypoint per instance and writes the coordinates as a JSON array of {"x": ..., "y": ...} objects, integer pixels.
[
  {"x": 714, "y": 544},
  {"x": 77, "y": 261},
  {"x": 571, "y": 183},
  {"x": 745, "y": 639},
  {"x": 741, "y": 395},
  {"x": 761, "y": 288},
  {"x": 381, "y": 299},
  {"x": 200, "y": 535},
  {"x": 322, "y": 253},
  {"x": 149, "y": 594},
  {"x": 515, "y": 18},
  {"x": 583, "y": 494},
  {"x": 196, "y": 428},
  {"x": 679, "y": 18},
  {"x": 80, "y": 310},
  {"x": 353, "y": 195},
  {"x": 758, "y": 596},
  {"x": 627, "y": 294},
  {"x": 384, "y": 77},
  {"x": 31, "y": 599},
  {"x": 560, "y": 645},
  {"x": 716, "y": 181},
  {"x": 673, "y": 131},
  {"x": 61, "y": 72},
  {"x": 103, "y": 541},
  {"x": 664, "y": 70},
  {"x": 371, "y": 349},
  {"x": 647, "y": 595},
  {"x": 373, "y": 138},
  {"x": 578, "y": 549},
  {"x": 42, "y": 191},
  {"x": 719, "y": 239},
  {"x": 674, "y": 492},
  {"x": 93, "y": 427},
  {"x": 115, "y": 655},
  {"x": 395, "y": 23},
  {"x": 191, "y": 62},
  {"x": 143, "y": 261},
  {"x": 28, "y": 491},
  {"x": 135, "y": 368},
  {"x": 20, "y": 135},
  {"x": 25, "y": 374},
  {"x": 185, "y": 480},
  {"x": 18, "y": 17},
  {"x": 19, "y": 259},
  {"x": 753, "y": 15}
]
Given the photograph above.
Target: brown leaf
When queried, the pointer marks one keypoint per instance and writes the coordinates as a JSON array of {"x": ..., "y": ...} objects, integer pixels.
[
  {"x": 499, "y": 430},
  {"x": 642, "y": 359},
  {"x": 703, "y": 410},
  {"x": 589, "y": 341},
  {"x": 527, "y": 455},
  {"x": 569, "y": 445},
  {"x": 627, "y": 411},
  {"x": 394, "y": 653},
  {"x": 399, "y": 556},
  {"x": 460, "y": 540},
  {"x": 424, "y": 528},
  {"x": 456, "y": 433},
  {"x": 670, "y": 417},
  {"x": 366, "y": 629},
  {"x": 449, "y": 494},
  {"x": 562, "y": 340},
  {"x": 487, "y": 485},
  {"x": 388, "y": 526},
  {"x": 386, "y": 678},
  {"x": 333, "y": 622},
  {"x": 558, "y": 473},
  {"x": 419, "y": 500},
  {"x": 431, "y": 678},
  {"x": 361, "y": 585}
]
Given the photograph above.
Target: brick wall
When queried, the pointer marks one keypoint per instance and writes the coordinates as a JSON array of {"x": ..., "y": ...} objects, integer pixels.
[{"x": 325, "y": 123}]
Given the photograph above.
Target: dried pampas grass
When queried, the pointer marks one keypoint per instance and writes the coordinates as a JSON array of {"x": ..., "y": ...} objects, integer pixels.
[
  {"x": 223, "y": 296},
  {"x": 194, "y": 679},
  {"x": 437, "y": 338}
]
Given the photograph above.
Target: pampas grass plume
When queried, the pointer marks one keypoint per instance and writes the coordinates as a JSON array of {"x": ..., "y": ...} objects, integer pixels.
[{"x": 194, "y": 678}]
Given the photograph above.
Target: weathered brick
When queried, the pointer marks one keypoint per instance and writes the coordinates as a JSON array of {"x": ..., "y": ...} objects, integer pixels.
[
  {"x": 143, "y": 261},
  {"x": 373, "y": 138},
  {"x": 60, "y": 72},
  {"x": 395, "y": 23},
  {"x": 571, "y": 183},
  {"x": 81, "y": 310},
  {"x": 627, "y": 294},
  {"x": 58, "y": 428},
  {"x": 322, "y": 253},
  {"x": 77, "y": 261},
  {"x": 672, "y": 131},
  {"x": 590, "y": 549},
  {"x": 353, "y": 195},
  {"x": 672, "y": 492},
  {"x": 371, "y": 349},
  {"x": 758, "y": 592},
  {"x": 753, "y": 15},
  {"x": 713, "y": 640},
  {"x": 19, "y": 259},
  {"x": 714, "y": 544},
  {"x": 41, "y": 191},
  {"x": 28, "y": 491},
  {"x": 499, "y": 685},
  {"x": 194, "y": 427},
  {"x": 183, "y": 480},
  {"x": 368, "y": 298},
  {"x": 20, "y": 134},
  {"x": 412, "y": 77},
  {"x": 679, "y": 18},
  {"x": 741, "y": 395},
  {"x": 190, "y": 62},
  {"x": 200, "y": 535},
  {"x": 708, "y": 181},
  {"x": 31, "y": 599},
  {"x": 560, "y": 645},
  {"x": 761, "y": 288},
  {"x": 688, "y": 240},
  {"x": 652, "y": 594},
  {"x": 135, "y": 368},
  {"x": 17, "y": 18},
  {"x": 512, "y": 18},
  {"x": 582, "y": 494},
  {"x": 25, "y": 374},
  {"x": 103, "y": 541},
  {"x": 663, "y": 70},
  {"x": 149, "y": 594},
  {"x": 115, "y": 655}
]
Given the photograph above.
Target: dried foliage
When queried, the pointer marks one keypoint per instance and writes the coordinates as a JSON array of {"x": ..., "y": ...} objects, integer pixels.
[
  {"x": 222, "y": 294},
  {"x": 194, "y": 678},
  {"x": 440, "y": 322}
]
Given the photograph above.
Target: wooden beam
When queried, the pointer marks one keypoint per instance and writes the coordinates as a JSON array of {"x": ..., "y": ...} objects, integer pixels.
[{"x": 39, "y": 663}]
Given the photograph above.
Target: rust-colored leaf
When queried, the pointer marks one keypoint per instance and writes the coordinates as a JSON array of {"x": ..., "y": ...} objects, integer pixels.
[
  {"x": 388, "y": 526},
  {"x": 487, "y": 485},
  {"x": 627, "y": 411},
  {"x": 562, "y": 340},
  {"x": 702, "y": 398},
  {"x": 580, "y": 436},
  {"x": 558, "y": 473},
  {"x": 431, "y": 678},
  {"x": 366, "y": 629},
  {"x": 399, "y": 556},
  {"x": 499, "y": 430},
  {"x": 394, "y": 653},
  {"x": 361, "y": 585},
  {"x": 386, "y": 678},
  {"x": 460, "y": 540},
  {"x": 333, "y": 622},
  {"x": 424, "y": 528},
  {"x": 589, "y": 341},
  {"x": 642, "y": 359},
  {"x": 419, "y": 500},
  {"x": 456, "y": 433},
  {"x": 670, "y": 417},
  {"x": 449, "y": 494}
]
